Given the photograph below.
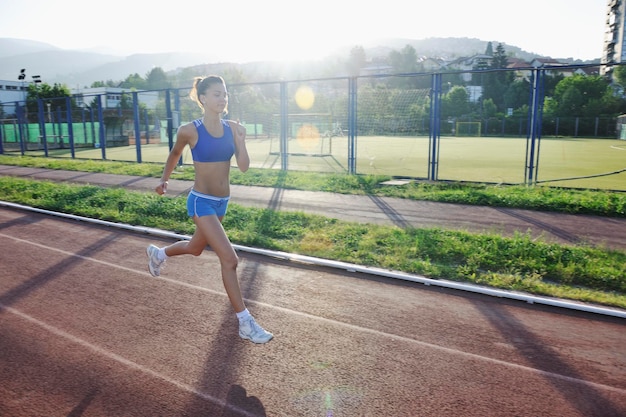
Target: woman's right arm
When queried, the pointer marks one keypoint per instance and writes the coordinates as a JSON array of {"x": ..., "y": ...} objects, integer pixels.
[{"x": 182, "y": 139}]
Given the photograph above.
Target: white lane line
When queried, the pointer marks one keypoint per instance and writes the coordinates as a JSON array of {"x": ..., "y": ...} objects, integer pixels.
[
  {"x": 112, "y": 265},
  {"x": 126, "y": 362},
  {"x": 287, "y": 311},
  {"x": 454, "y": 285}
]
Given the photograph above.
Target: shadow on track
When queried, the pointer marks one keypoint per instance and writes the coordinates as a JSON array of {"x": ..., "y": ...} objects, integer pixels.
[
  {"x": 55, "y": 271},
  {"x": 221, "y": 367},
  {"x": 583, "y": 397}
]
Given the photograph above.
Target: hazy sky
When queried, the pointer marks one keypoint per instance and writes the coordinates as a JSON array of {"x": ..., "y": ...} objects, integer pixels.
[{"x": 250, "y": 30}]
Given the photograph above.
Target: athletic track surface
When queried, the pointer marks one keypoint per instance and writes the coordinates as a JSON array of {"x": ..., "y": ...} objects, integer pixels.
[{"x": 86, "y": 331}]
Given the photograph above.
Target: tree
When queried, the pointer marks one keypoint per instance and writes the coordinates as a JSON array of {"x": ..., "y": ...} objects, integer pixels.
[
  {"x": 496, "y": 82},
  {"x": 584, "y": 98},
  {"x": 44, "y": 91},
  {"x": 489, "y": 49},
  {"x": 517, "y": 94},
  {"x": 455, "y": 103},
  {"x": 183, "y": 78},
  {"x": 126, "y": 102},
  {"x": 571, "y": 102},
  {"x": 374, "y": 106},
  {"x": 574, "y": 94},
  {"x": 404, "y": 62},
  {"x": 489, "y": 109},
  {"x": 134, "y": 81},
  {"x": 356, "y": 61},
  {"x": 619, "y": 75},
  {"x": 233, "y": 75},
  {"x": 550, "y": 81},
  {"x": 478, "y": 77},
  {"x": 156, "y": 79}
]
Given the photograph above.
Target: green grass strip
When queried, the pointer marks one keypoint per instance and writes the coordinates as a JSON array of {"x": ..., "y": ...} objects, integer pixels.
[
  {"x": 574, "y": 201},
  {"x": 518, "y": 263}
]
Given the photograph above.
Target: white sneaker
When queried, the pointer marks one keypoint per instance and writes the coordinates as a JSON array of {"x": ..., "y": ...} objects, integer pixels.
[
  {"x": 154, "y": 265},
  {"x": 250, "y": 330}
]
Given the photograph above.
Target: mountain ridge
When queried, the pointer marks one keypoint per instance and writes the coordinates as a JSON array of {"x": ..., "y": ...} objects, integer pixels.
[{"x": 83, "y": 67}]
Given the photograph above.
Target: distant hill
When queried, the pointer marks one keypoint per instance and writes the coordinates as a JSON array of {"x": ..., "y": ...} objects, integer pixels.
[
  {"x": 453, "y": 48},
  {"x": 448, "y": 48},
  {"x": 73, "y": 67},
  {"x": 10, "y": 47},
  {"x": 81, "y": 68}
]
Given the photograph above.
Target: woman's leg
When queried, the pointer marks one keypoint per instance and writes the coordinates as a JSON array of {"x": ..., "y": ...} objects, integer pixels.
[
  {"x": 209, "y": 229},
  {"x": 194, "y": 246}
]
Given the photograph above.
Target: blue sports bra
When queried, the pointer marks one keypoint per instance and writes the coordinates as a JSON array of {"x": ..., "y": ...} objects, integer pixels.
[{"x": 211, "y": 149}]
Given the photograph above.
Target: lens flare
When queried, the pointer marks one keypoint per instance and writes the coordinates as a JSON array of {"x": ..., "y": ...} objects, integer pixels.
[
  {"x": 308, "y": 137},
  {"x": 305, "y": 97}
]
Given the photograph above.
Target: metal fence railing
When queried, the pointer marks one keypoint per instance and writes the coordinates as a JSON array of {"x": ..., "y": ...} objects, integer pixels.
[{"x": 432, "y": 126}]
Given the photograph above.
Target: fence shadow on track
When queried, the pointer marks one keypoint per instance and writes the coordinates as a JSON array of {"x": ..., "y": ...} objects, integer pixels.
[{"x": 582, "y": 396}]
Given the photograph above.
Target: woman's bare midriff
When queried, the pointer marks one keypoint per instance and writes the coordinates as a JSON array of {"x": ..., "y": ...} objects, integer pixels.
[{"x": 212, "y": 178}]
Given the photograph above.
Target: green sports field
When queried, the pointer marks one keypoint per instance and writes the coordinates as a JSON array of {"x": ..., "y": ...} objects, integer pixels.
[{"x": 566, "y": 162}]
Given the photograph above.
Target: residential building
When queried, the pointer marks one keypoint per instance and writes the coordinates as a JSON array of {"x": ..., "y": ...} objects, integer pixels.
[{"x": 614, "y": 51}]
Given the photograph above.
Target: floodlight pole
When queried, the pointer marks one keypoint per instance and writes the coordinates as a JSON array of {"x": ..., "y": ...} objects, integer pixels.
[{"x": 22, "y": 77}]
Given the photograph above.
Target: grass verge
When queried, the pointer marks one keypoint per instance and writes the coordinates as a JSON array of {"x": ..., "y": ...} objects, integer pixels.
[
  {"x": 519, "y": 263},
  {"x": 595, "y": 202}
]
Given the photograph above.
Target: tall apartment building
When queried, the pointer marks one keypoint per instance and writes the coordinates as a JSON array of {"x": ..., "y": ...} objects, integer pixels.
[{"x": 615, "y": 35}]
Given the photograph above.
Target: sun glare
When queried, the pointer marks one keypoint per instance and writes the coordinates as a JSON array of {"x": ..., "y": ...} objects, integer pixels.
[{"x": 305, "y": 97}]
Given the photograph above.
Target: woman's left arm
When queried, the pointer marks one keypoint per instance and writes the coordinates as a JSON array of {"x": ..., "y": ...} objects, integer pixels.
[{"x": 241, "y": 151}]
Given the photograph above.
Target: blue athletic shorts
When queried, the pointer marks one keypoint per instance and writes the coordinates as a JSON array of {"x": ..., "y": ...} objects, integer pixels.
[{"x": 199, "y": 204}]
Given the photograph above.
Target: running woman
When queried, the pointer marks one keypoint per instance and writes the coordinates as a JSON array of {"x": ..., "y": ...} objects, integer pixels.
[{"x": 213, "y": 142}]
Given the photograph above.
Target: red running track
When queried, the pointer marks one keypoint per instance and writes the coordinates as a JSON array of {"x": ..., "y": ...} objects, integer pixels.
[{"x": 86, "y": 331}]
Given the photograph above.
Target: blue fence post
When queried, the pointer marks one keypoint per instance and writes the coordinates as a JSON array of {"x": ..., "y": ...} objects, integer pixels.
[
  {"x": 137, "y": 128},
  {"x": 530, "y": 142},
  {"x": 19, "y": 111},
  {"x": 533, "y": 138},
  {"x": 59, "y": 127},
  {"x": 42, "y": 125},
  {"x": 93, "y": 128},
  {"x": 1, "y": 138},
  {"x": 352, "y": 123},
  {"x": 70, "y": 126},
  {"x": 435, "y": 128},
  {"x": 177, "y": 110},
  {"x": 283, "y": 126},
  {"x": 101, "y": 130},
  {"x": 146, "y": 125},
  {"x": 168, "y": 118},
  {"x": 84, "y": 120}
]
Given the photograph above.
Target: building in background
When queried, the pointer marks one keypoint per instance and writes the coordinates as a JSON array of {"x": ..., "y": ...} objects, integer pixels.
[
  {"x": 614, "y": 51},
  {"x": 112, "y": 96},
  {"x": 12, "y": 92}
]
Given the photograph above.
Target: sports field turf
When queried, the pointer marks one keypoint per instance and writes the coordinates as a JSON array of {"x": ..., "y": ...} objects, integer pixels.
[{"x": 563, "y": 162}]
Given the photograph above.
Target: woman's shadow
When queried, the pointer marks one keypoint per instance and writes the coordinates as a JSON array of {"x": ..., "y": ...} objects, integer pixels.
[{"x": 238, "y": 403}]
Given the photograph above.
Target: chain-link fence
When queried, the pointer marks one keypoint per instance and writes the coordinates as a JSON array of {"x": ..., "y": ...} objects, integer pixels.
[{"x": 435, "y": 126}]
